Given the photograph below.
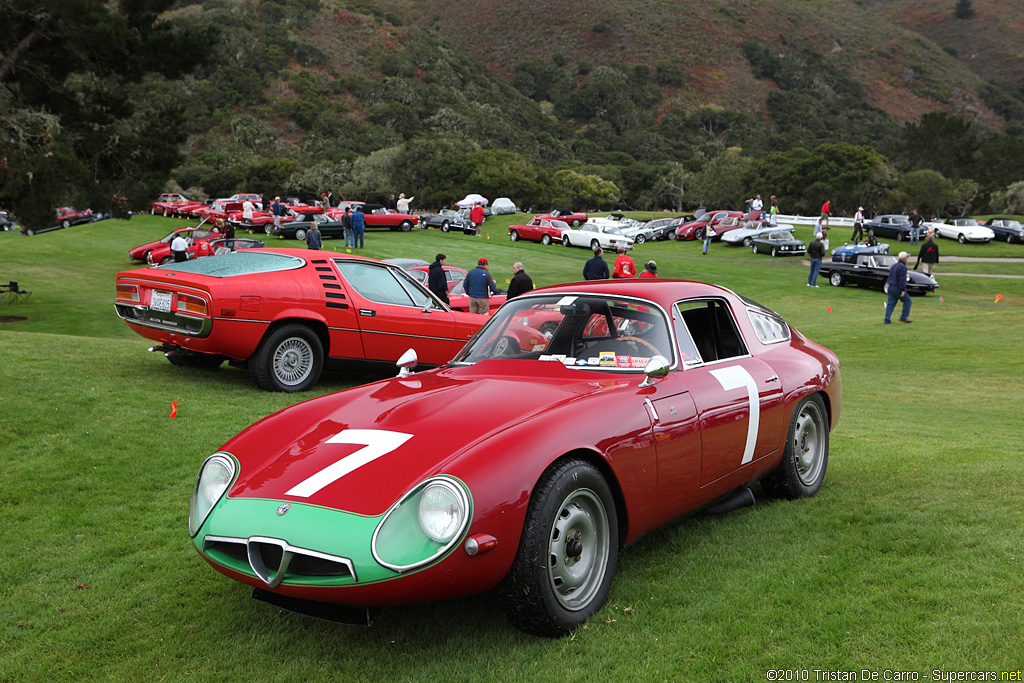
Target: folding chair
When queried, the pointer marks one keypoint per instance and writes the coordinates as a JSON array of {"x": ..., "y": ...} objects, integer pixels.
[
  {"x": 16, "y": 295},
  {"x": 4, "y": 294}
]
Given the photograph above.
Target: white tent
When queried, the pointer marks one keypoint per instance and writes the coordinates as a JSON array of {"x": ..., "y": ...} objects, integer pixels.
[
  {"x": 503, "y": 205},
  {"x": 472, "y": 199}
]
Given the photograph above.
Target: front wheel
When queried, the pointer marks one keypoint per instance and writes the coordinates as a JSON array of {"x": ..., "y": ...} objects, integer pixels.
[
  {"x": 775, "y": 252},
  {"x": 563, "y": 569},
  {"x": 445, "y": 227},
  {"x": 802, "y": 470},
  {"x": 748, "y": 241},
  {"x": 405, "y": 226},
  {"x": 1009, "y": 238},
  {"x": 575, "y": 222},
  {"x": 961, "y": 239},
  {"x": 565, "y": 242},
  {"x": 755, "y": 248},
  {"x": 514, "y": 236},
  {"x": 288, "y": 359},
  {"x": 899, "y": 236},
  {"x": 545, "y": 240},
  {"x": 885, "y": 288},
  {"x": 835, "y": 279},
  {"x": 166, "y": 259},
  {"x": 65, "y": 223},
  {"x": 300, "y": 234},
  {"x": 640, "y": 239}
]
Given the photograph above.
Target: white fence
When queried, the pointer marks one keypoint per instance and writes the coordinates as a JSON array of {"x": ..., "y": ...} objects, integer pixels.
[{"x": 811, "y": 220}]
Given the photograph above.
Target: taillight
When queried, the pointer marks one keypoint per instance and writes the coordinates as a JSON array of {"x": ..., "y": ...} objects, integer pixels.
[
  {"x": 192, "y": 304},
  {"x": 128, "y": 293}
]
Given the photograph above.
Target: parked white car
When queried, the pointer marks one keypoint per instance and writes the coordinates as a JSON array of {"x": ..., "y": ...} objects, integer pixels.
[
  {"x": 745, "y": 236},
  {"x": 963, "y": 229},
  {"x": 591, "y": 235}
]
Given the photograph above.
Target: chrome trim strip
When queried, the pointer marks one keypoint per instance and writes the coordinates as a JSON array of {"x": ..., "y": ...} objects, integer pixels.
[{"x": 413, "y": 336}]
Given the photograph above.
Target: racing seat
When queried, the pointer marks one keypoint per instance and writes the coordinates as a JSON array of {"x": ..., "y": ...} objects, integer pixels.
[{"x": 13, "y": 294}]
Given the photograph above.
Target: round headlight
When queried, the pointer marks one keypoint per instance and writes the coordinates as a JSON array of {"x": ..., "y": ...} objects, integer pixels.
[
  {"x": 441, "y": 511},
  {"x": 215, "y": 476}
]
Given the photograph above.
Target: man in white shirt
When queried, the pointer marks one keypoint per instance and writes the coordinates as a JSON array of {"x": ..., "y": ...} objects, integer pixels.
[
  {"x": 403, "y": 203},
  {"x": 247, "y": 209},
  {"x": 757, "y": 204},
  {"x": 179, "y": 248}
]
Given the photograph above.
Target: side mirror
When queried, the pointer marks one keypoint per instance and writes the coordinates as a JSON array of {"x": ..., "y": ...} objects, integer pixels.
[
  {"x": 407, "y": 362},
  {"x": 656, "y": 367}
]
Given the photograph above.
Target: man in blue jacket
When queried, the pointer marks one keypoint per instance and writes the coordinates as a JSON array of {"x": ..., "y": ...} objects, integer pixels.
[
  {"x": 358, "y": 226},
  {"x": 897, "y": 286},
  {"x": 479, "y": 286}
]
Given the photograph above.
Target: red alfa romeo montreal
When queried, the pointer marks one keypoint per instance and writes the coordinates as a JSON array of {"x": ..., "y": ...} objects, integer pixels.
[
  {"x": 528, "y": 461},
  {"x": 284, "y": 313}
]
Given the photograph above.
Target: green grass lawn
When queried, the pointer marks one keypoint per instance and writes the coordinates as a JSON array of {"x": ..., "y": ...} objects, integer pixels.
[{"x": 911, "y": 558}]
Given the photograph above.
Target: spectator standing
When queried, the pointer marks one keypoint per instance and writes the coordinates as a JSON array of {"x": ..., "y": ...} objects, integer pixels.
[
  {"x": 277, "y": 210},
  {"x": 929, "y": 254},
  {"x": 247, "y": 210},
  {"x": 624, "y": 266},
  {"x": 757, "y": 204},
  {"x": 264, "y": 203},
  {"x": 826, "y": 211},
  {"x": 358, "y": 227},
  {"x": 179, "y": 248},
  {"x": 403, "y": 203},
  {"x": 858, "y": 225},
  {"x": 816, "y": 250},
  {"x": 596, "y": 268},
  {"x": 479, "y": 286},
  {"x": 706, "y": 233},
  {"x": 437, "y": 281},
  {"x": 329, "y": 199},
  {"x": 476, "y": 215},
  {"x": 916, "y": 220},
  {"x": 202, "y": 248},
  {"x": 521, "y": 283},
  {"x": 314, "y": 239},
  {"x": 897, "y": 286},
  {"x": 773, "y": 212},
  {"x": 391, "y": 204},
  {"x": 346, "y": 226},
  {"x": 650, "y": 270}
]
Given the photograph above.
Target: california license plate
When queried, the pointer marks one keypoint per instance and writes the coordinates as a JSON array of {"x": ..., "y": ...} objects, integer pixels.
[{"x": 160, "y": 301}]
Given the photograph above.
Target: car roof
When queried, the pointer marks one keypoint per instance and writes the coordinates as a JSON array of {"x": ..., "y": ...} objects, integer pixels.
[{"x": 663, "y": 291}]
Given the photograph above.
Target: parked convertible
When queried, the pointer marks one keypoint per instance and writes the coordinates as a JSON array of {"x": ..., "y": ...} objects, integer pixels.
[
  {"x": 872, "y": 270},
  {"x": 283, "y": 313},
  {"x": 528, "y": 462},
  {"x": 896, "y": 226},
  {"x": 543, "y": 230},
  {"x": 779, "y": 243},
  {"x": 446, "y": 220},
  {"x": 143, "y": 252},
  {"x": 963, "y": 229},
  {"x": 1006, "y": 229},
  {"x": 573, "y": 218}
]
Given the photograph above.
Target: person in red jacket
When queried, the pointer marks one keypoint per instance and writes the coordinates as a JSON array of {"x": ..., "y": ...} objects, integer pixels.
[
  {"x": 624, "y": 267},
  {"x": 202, "y": 248},
  {"x": 476, "y": 214},
  {"x": 650, "y": 270}
]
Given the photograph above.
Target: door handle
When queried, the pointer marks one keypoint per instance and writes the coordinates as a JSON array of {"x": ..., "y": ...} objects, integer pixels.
[
  {"x": 366, "y": 312},
  {"x": 773, "y": 378},
  {"x": 652, "y": 411}
]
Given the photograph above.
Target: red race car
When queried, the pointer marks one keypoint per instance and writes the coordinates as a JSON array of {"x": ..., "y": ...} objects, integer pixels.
[
  {"x": 573, "y": 218},
  {"x": 283, "y": 313},
  {"x": 543, "y": 230},
  {"x": 688, "y": 231},
  {"x": 528, "y": 462},
  {"x": 163, "y": 245},
  {"x": 66, "y": 217},
  {"x": 171, "y": 204}
]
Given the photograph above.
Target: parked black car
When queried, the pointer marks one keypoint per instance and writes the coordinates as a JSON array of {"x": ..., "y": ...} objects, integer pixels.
[
  {"x": 447, "y": 220},
  {"x": 890, "y": 225},
  {"x": 298, "y": 228},
  {"x": 872, "y": 270},
  {"x": 1006, "y": 229}
]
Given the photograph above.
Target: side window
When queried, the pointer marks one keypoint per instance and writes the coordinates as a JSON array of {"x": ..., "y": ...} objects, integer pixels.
[
  {"x": 376, "y": 283},
  {"x": 711, "y": 327}
]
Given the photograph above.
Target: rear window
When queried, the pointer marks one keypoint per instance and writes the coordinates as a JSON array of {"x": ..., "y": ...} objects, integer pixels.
[{"x": 237, "y": 263}]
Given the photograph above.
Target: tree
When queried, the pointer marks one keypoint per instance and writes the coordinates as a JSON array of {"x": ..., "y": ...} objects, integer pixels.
[
  {"x": 584, "y": 191},
  {"x": 929, "y": 191},
  {"x": 720, "y": 185},
  {"x": 675, "y": 184},
  {"x": 1012, "y": 198}
]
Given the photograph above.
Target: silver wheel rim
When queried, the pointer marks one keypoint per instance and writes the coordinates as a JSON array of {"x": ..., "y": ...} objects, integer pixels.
[
  {"x": 293, "y": 361},
  {"x": 640, "y": 239},
  {"x": 580, "y": 526},
  {"x": 809, "y": 444},
  {"x": 836, "y": 279}
]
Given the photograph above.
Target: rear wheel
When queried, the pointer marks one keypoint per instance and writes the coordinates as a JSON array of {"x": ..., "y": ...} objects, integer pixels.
[
  {"x": 575, "y": 222},
  {"x": 300, "y": 234},
  {"x": 405, "y": 226},
  {"x": 755, "y": 248},
  {"x": 775, "y": 251},
  {"x": 565, "y": 242},
  {"x": 288, "y": 359},
  {"x": 960, "y": 238},
  {"x": 166, "y": 259},
  {"x": 899, "y": 236},
  {"x": 748, "y": 241},
  {"x": 513, "y": 235},
  {"x": 836, "y": 278},
  {"x": 65, "y": 223},
  {"x": 594, "y": 244},
  {"x": 802, "y": 470},
  {"x": 640, "y": 239},
  {"x": 545, "y": 239},
  {"x": 445, "y": 227},
  {"x": 567, "y": 552},
  {"x": 1009, "y": 238}
]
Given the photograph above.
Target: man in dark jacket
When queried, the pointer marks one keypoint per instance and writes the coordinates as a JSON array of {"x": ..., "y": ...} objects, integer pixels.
[
  {"x": 436, "y": 280},
  {"x": 816, "y": 252},
  {"x": 897, "y": 289},
  {"x": 521, "y": 283},
  {"x": 929, "y": 255},
  {"x": 596, "y": 268},
  {"x": 479, "y": 286}
]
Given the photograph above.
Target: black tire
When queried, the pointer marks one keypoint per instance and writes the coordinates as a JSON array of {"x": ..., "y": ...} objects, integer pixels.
[
  {"x": 187, "y": 359},
  {"x": 545, "y": 240},
  {"x": 836, "y": 278},
  {"x": 775, "y": 252},
  {"x": 640, "y": 239},
  {"x": 566, "y": 242},
  {"x": 288, "y": 359},
  {"x": 1009, "y": 238},
  {"x": 594, "y": 244},
  {"x": 885, "y": 288},
  {"x": 567, "y": 553},
  {"x": 513, "y": 235},
  {"x": 748, "y": 241},
  {"x": 166, "y": 259},
  {"x": 899, "y": 236},
  {"x": 575, "y": 222},
  {"x": 755, "y": 248},
  {"x": 445, "y": 227},
  {"x": 802, "y": 470},
  {"x": 961, "y": 239},
  {"x": 65, "y": 223},
  {"x": 266, "y": 228},
  {"x": 405, "y": 226},
  {"x": 300, "y": 234}
]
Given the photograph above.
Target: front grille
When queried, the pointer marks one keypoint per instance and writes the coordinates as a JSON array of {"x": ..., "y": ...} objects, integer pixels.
[{"x": 267, "y": 556}]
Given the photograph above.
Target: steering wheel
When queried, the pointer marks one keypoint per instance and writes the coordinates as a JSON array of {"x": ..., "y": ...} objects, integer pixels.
[{"x": 643, "y": 342}]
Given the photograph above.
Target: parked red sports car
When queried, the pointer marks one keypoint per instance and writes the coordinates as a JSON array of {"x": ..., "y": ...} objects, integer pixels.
[
  {"x": 66, "y": 217},
  {"x": 543, "y": 230},
  {"x": 528, "y": 462},
  {"x": 142, "y": 252},
  {"x": 688, "y": 231},
  {"x": 573, "y": 218},
  {"x": 283, "y": 313}
]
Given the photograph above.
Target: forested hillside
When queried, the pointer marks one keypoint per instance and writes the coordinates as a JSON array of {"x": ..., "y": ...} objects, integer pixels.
[{"x": 635, "y": 104}]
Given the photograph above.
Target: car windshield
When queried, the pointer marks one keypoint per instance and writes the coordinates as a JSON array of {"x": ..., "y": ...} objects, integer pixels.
[
  {"x": 880, "y": 261},
  {"x": 237, "y": 263},
  {"x": 966, "y": 221},
  {"x": 582, "y": 331}
]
